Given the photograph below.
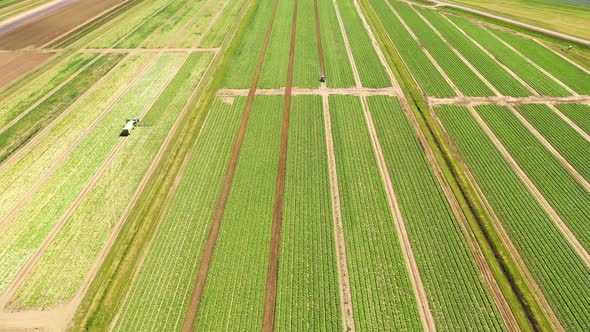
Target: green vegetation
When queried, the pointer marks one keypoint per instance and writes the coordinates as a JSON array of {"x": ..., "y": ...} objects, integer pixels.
[
  {"x": 465, "y": 79},
  {"x": 371, "y": 71},
  {"x": 234, "y": 291},
  {"x": 486, "y": 65},
  {"x": 338, "y": 69},
  {"x": 306, "y": 73},
  {"x": 164, "y": 282},
  {"x": 421, "y": 68},
  {"x": 573, "y": 147},
  {"x": 578, "y": 113},
  {"x": 218, "y": 33},
  {"x": 307, "y": 290},
  {"x": 274, "y": 67},
  {"x": 382, "y": 295},
  {"x": 529, "y": 73},
  {"x": 558, "y": 270},
  {"x": 447, "y": 267}
]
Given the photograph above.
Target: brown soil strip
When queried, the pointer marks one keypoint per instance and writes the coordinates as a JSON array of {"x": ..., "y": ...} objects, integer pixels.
[
  {"x": 147, "y": 50},
  {"x": 576, "y": 245},
  {"x": 343, "y": 280},
  {"x": 49, "y": 94},
  {"x": 318, "y": 34},
  {"x": 506, "y": 241},
  {"x": 506, "y": 100},
  {"x": 452, "y": 47},
  {"x": 570, "y": 122},
  {"x": 24, "y": 272},
  {"x": 40, "y": 31},
  {"x": 551, "y": 149},
  {"x": 270, "y": 296},
  {"x": 534, "y": 64},
  {"x": 201, "y": 277},
  {"x": 516, "y": 77},
  {"x": 436, "y": 65},
  {"x": 63, "y": 157},
  {"x": 15, "y": 64}
]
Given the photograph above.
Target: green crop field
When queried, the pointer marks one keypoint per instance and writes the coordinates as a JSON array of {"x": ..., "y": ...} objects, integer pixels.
[{"x": 306, "y": 165}]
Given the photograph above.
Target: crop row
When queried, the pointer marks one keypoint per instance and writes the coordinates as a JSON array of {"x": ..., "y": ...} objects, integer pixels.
[
  {"x": 306, "y": 66},
  {"x": 218, "y": 32},
  {"x": 34, "y": 120},
  {"x": 371, "y": 71},
  {"x": 307, "y": 289},
  {"x": 382, "y": 295},
  {"x": 486, "y": 65},
  {"x": 338, "y": 69},
  {"x": 571, "y": 145},
  {"x": 567, "y": 196},
  {"x": 458, "y": 297},
  {"x": 99, "y": 213},
  {"x": 45, "y": 206},
  {"x": 542, "y": 83},
  {"x": 578, "y": 113},
  {"x": 566, "y": 72},
  {"x": 159, "y": 297},
  {"x": 274, "y": 68},
  {"x": 422, "y": 69},
  {"x": 463, "y": 77},
  {"x": 242, "y": 64},
  {"x": 236, "y": 283},
  {"x": 558, "y": 270}
]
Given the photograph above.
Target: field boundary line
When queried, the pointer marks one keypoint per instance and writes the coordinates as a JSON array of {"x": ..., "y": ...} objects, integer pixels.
[
  {"x": 10, "y": 159},
  {"x": 92, "y": 273},
  {"x": 569, "y": 122},
  {"x": 48, "y": 95},
  {"x": 567, "y": 233},
  {"x": 270, "y": 295},
  {"x": 426, "y": 317},
  {"x": 582, "y": 68},
  {"x": 489, "y": 54},
  {"x": 457, "y": 53},
  {"x": 209, "y": 248},
  {"x": 410, "y": 260},
  {"x": 446, "y": 77},
  {"x": 503, "y": 234},
  {"x": 534, "y": 64},
  {"x": 573, "y": 172},
  {"x": 27, "y": 268},
  {"x": 86, "y": 22},
  {"x": 62, "y": 158}
]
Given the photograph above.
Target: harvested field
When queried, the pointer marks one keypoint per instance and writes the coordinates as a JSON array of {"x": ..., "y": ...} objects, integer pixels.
[{"x": 15, "y": 64}]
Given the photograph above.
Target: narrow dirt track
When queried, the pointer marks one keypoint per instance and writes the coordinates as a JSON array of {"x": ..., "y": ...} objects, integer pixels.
[
  {"x": 201, "y": 277},
  {"x": 576, "y": 245},
  {"x": 270, "y": 296},
  {"x": 318, "y": 34},
  {"x": 506, "y": 241}
]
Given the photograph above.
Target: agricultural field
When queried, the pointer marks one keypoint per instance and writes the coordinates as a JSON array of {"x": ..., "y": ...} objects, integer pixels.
[{"x": 306, "y": 165}]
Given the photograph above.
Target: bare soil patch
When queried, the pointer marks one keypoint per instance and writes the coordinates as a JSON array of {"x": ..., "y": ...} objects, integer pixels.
[
  {"x": 51, "y": 26},
  {"x": 15, "y": 64}
]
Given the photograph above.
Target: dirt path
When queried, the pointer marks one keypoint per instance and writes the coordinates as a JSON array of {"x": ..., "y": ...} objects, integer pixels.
[
  {"x": 63, "y": 157},
  {"x": 500, "y": 63},
  {"x": 318, "y": 35},
  {"x": 506, "y": 241},
  {"x": 534, "y": 64},
  {"x": 355, "y": 72},
  {"x": 48, "y": 95},
  {"x": 570, "y": 122},
  {"x": 270, "y": 296},
  {"x": 201, "y": 277},
  {"x": 507, "y": 100},
  {"x": 515, "y": 22},
  {"x": 576, "y": 245},
  {"x": 457, "y": 53},
  {"x": 432, "y": 60},
  {"x": 551, "y": 149},
  {"x": 27, "y": 268}
]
